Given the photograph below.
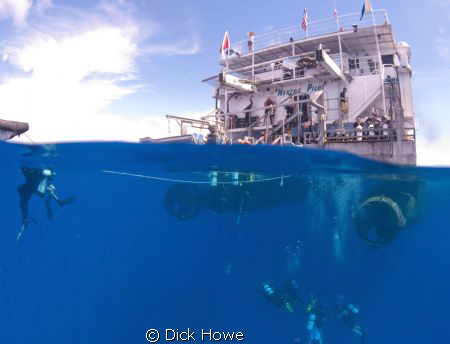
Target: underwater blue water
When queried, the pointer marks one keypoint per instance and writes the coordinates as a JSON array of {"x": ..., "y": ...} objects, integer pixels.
[{"x": 133, "y": 253}]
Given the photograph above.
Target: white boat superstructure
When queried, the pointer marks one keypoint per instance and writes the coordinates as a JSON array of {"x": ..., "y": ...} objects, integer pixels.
[{"x": 342, "y": 84}]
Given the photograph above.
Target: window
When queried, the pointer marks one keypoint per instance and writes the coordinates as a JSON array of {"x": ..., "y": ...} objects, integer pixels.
[
  {"x": 387, "y": 59},
  {"x": 353, "y": 63}
]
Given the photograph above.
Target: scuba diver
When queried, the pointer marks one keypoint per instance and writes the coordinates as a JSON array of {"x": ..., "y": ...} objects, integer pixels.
[
  {"x": 348, "y": 313},
  {"x": 315, "y": 322},
  {"x": 38, "y": 181},
  {"x": 285, "y": 297}
]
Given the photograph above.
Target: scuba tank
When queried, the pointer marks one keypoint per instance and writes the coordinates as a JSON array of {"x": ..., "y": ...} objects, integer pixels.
[
  {"x": 359, "y": 132},
  {"x": 353, "y": 309},
  {"x": 213, "y": 176},
  {"x": 42, "y": 187},
  {"x": 311, "y": 322},
  {"x": 371, "y": 130},
  {"x": 235, "y": 178},
  {"x": 268, "y": 289}
]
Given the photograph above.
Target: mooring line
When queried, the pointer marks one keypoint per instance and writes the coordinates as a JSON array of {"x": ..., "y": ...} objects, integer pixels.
[{"x": 192, "y": 181}]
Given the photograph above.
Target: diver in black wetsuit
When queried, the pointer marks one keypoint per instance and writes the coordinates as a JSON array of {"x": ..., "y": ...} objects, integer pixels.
[
  {"x": 37, "y": 181},
  {"x": 285, "y": 297},
  {"x": 348, "y": 313}
]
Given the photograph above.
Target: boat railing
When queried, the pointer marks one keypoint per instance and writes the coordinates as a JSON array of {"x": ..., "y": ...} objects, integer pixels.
[
  {"x": 316, "y": 28},
  {"x": 364, "y": 65},
  {"x": 286, "y": 69},
  {"x": 359, "y": 135}
]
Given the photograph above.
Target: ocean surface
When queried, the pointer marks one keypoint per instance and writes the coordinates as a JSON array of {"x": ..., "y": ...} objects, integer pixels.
[{"x": 195, "y": 237}]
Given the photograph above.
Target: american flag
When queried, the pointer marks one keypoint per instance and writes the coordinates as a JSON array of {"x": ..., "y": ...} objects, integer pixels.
[{"x": 305, "y": 20}]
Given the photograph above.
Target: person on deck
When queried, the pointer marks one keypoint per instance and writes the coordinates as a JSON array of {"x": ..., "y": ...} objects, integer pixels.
[
  {"x": 248, "y": 112},
  {"x": 343, "y": 101},
  {"x": 290, "y": 107},
  {"x": 270, "y": 111}
]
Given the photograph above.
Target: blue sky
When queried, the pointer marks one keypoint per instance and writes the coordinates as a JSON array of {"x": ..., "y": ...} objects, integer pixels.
[{"x": 81, "y": 70}]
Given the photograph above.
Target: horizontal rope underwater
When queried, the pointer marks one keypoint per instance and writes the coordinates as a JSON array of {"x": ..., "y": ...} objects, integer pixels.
[{"x": 192, "y": 181}]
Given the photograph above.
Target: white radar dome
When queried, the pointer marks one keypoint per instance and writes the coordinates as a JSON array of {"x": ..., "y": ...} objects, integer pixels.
[{"x": 404, "y": 53}]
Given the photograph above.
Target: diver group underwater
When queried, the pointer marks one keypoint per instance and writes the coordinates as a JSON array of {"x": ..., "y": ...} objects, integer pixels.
[{"x": 193, "y": 239}]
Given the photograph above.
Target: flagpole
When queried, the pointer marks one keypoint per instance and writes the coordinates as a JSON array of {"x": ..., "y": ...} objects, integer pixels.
[
  {"x": 380, "y": 61},
  {"x": 226, "y": 124},
  {"x": 339, "y": 36},
  {"x": 341, "y": 120},
  {"x": 307, "y": 18}
]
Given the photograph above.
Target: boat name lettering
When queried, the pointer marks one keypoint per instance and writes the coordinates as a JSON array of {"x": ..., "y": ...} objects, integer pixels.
[
  {"x": 295, "y": 91},
  {"x": 315, "y": 88}
]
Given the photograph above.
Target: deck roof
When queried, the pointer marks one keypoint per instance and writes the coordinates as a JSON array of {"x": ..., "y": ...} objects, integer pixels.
[{"x": 292, "y": 40}]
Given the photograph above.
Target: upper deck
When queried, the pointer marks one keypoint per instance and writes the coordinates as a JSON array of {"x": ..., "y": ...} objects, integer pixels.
[{"x": 356, "y": 37}]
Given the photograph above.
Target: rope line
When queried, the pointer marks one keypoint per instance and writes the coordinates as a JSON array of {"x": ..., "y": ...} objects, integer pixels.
[
  {"x": 29, "y": 138},
  {"x": 191, "y": 181}
]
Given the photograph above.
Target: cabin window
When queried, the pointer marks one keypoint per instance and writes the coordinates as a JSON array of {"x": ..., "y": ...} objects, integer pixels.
[
  {"x": 387, "y": 59},
  {"x": 287, "y": 73},
  {"x": 299, "y": 72},
  {"x": 353, "y": 63}
]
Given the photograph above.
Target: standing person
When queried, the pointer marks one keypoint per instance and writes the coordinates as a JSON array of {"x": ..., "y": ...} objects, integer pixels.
[
  {"x": 290, "y": 109},
  {"x": 371, "y": 128},
  {"x": 358, "y": 128},
  {"x": 247, "y": 112},
  {"x": 251, "y": 40},
  {"x": 343, "y": 101},
  {"x": 385, "y": 126},
  {"x": 269, "y": 110}
]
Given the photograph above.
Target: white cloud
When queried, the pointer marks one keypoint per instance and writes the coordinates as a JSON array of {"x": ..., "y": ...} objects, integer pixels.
[
  {"x": 443, "y": 44},
  {"x": 17, "y": 9},
  {"x": 191, "y": 47},
  {"x": 76, "y": 65},
  {"x": 72, "y": 80},
  {"x": 43, "y": 5},
  {"x": 433, "y": 154},
  {"x": 432, "y": 104}
]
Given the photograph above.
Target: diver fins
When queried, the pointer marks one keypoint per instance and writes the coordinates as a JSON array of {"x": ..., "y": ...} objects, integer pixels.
[
  {"x": 22, "y": 230},
  {"x": 66, "y": 201},
  {"x": 241, "y": 207},
  {"x": 24, "y": 226}
]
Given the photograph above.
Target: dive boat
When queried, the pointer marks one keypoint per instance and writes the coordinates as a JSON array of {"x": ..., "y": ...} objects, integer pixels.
[{"x": 341, "y": 83}]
